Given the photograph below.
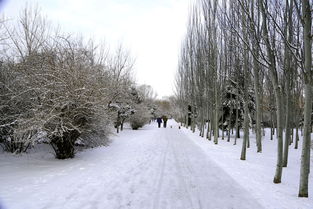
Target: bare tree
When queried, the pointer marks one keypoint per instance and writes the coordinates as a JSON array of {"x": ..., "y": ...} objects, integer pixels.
[
  {"x": 226, "y": 39},
  {"x": 306, "y": 146}
]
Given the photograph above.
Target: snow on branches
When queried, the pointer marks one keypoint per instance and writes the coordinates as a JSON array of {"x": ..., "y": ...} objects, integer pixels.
[{"x": 59, "y": 86}]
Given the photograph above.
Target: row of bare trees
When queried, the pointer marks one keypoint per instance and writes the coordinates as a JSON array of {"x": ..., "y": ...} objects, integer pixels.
[
  {"x": 59, "y": 89},
  {"x": 243, "y": 62}
]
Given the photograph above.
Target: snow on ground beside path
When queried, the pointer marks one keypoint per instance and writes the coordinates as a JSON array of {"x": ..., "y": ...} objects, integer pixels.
[
  {"x": 257, "y": 172},
  {"x": 150, "y": 168},
  {"x": 105, "y": 177}
]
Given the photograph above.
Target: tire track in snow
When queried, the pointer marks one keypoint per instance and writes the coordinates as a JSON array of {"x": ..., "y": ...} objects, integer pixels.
[
  {"x": 211, "y": 181},
  {"x": 179, "y": 167},
  {"x": 100, "y": 183},
  {"x": 158, "y": 169},
  {"x": 160, "y": 176},
  {"x": 183, "y": 161}
]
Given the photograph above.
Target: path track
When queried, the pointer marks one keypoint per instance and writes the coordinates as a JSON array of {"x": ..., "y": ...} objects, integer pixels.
[{"x": 152, "y": 168}]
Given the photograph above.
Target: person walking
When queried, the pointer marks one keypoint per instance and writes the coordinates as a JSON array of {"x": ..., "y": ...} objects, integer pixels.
[
  {"x": 164, "y": 121},
  {"x": 159, "y": 121}
]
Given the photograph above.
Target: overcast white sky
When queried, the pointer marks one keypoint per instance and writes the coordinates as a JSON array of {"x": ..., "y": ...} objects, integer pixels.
[{"x": 151, "y": 29}]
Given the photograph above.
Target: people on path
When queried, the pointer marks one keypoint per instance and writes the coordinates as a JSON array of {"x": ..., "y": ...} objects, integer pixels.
[
  {"x": 159, "y": 121},
  {"x": 164, "y": 121}
]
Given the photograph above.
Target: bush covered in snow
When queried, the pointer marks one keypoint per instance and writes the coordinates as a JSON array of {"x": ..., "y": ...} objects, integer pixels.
[
  {"x": 63, "y": 91},
  {"x": 57, "y": 85},
  {"x": 140, "y": 118}
]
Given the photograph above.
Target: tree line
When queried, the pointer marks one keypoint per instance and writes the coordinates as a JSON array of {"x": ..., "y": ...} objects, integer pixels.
[
  {"x": 248, "y": 64},
  {"x": 59, "y": 89}
]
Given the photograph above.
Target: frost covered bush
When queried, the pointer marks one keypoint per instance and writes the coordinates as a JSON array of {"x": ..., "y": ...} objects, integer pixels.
[
  {"x": 60, "y": 86},
  {"x": 57, "y": 88},
  {"x": 140, "y": 118},
  {"x": 16, "y": 142},
  {"x": 16, "y": 135},
  {"x": 143, "y": 99},
  {"x": 76, "y": 102},
  {"x": 96, "y": 132}
]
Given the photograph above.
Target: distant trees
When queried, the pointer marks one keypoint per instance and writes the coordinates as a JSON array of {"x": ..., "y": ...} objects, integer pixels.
[
  {"x": 244, "y": 64},
  {"x": 60, "y": 89}
]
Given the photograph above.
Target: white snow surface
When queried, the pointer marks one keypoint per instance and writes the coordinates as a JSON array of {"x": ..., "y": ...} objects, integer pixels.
[{"x": 157, "y": 168}]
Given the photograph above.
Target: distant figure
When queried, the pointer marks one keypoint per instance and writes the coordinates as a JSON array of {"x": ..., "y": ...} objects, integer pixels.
[
  {"x": 164, "y": 121},
  {"x": 159, "y": 121}
]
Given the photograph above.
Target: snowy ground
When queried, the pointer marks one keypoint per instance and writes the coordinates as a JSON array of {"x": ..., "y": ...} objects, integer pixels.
[
  {"x": 256, "y": 173},
  {"x": 152, "y": 168}
]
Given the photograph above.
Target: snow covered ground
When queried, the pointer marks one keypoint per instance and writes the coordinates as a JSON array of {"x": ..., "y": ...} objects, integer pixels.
[
  {"x": 257, "y": 172},
  {"x": 153, "y": 168}
]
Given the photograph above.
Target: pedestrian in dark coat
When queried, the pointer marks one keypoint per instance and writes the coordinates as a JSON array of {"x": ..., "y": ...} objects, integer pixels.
[
  {"x": 164, "y": 121},
  {"x": 159, "y": 121}
]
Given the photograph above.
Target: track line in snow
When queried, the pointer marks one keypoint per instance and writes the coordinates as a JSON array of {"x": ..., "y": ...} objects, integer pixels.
[
  {"x": 150, "y": 168},
  {"x": 180, "y": 164},
  {"x": 186, "y": 165},
  {"x": 160, "y": 176}
]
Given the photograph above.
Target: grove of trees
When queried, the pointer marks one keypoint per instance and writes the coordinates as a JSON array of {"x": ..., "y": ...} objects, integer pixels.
[
  {"x": 248, "y": 64},
  {"x": 59, "y": 89}
]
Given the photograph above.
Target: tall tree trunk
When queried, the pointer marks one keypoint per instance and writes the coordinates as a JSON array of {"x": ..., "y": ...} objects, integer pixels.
[
  {"x": 245, "y": 142},
  {"x": 216, "y": 83},
  {"x": 287, "y": 133},
  {"x": 277, "y": 92},
  {"x": 258, "y": 107},
  {"x": 229, "y": 120},
  {"x": 288, "y": 20},
  {"x": 223, "y": 125},
  {"x": 306, "y": 145},
  {"x": 236, "y": 123},
  {"x": 272, "y": 126},
  {"x": 257, "y": 90},
  {"x": 202, "y": 124},
  {"x": 297, "y": 134},
  {"x": 122, "y": 125},
  {"x": 279, "y": 165},
  {"x": 246, "y": 132},
  {"x": 193, "y": 120},
  {"x": 209, "y": 122},
  {"x": 216, "y": 115},
  {"x": 292, "y": 121}
]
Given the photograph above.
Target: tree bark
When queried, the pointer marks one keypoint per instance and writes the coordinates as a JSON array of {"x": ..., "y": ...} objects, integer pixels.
[
  {"x": 245, "y": 142},
  {"x": 258, "y": 106},
  {"x": 237, "y": 125},
  {"x": 297, "y": 134},
  {"x": 277, "y": 92},
  {"x": 229, "y": 120},
  {"x": 306, "y": 145},
  {"x": 216, "y": 129},
  {"x": 288, "y": 78}
]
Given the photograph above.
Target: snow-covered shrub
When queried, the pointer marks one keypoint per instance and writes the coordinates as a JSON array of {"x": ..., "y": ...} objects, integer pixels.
[
  {"x": 122, "y": 112},
  {"x": 19, "y": 142},
  {"x": 59, "y": 91},
  {"x": 96, "y": 131},
  {"x": 16, "y": 135},
  {"x": 79, "y": 101},
  {"x": 60, "y": 86},
  {"x": 140, "y": 117}
]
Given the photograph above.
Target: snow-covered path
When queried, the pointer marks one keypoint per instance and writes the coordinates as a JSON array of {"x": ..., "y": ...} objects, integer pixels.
[
  {"x": 189, "y": 179},
  {"x": 149, "y": 168}
]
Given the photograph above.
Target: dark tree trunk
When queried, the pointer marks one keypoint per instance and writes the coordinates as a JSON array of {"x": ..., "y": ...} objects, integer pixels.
[{"x": 64, "y": 145}]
